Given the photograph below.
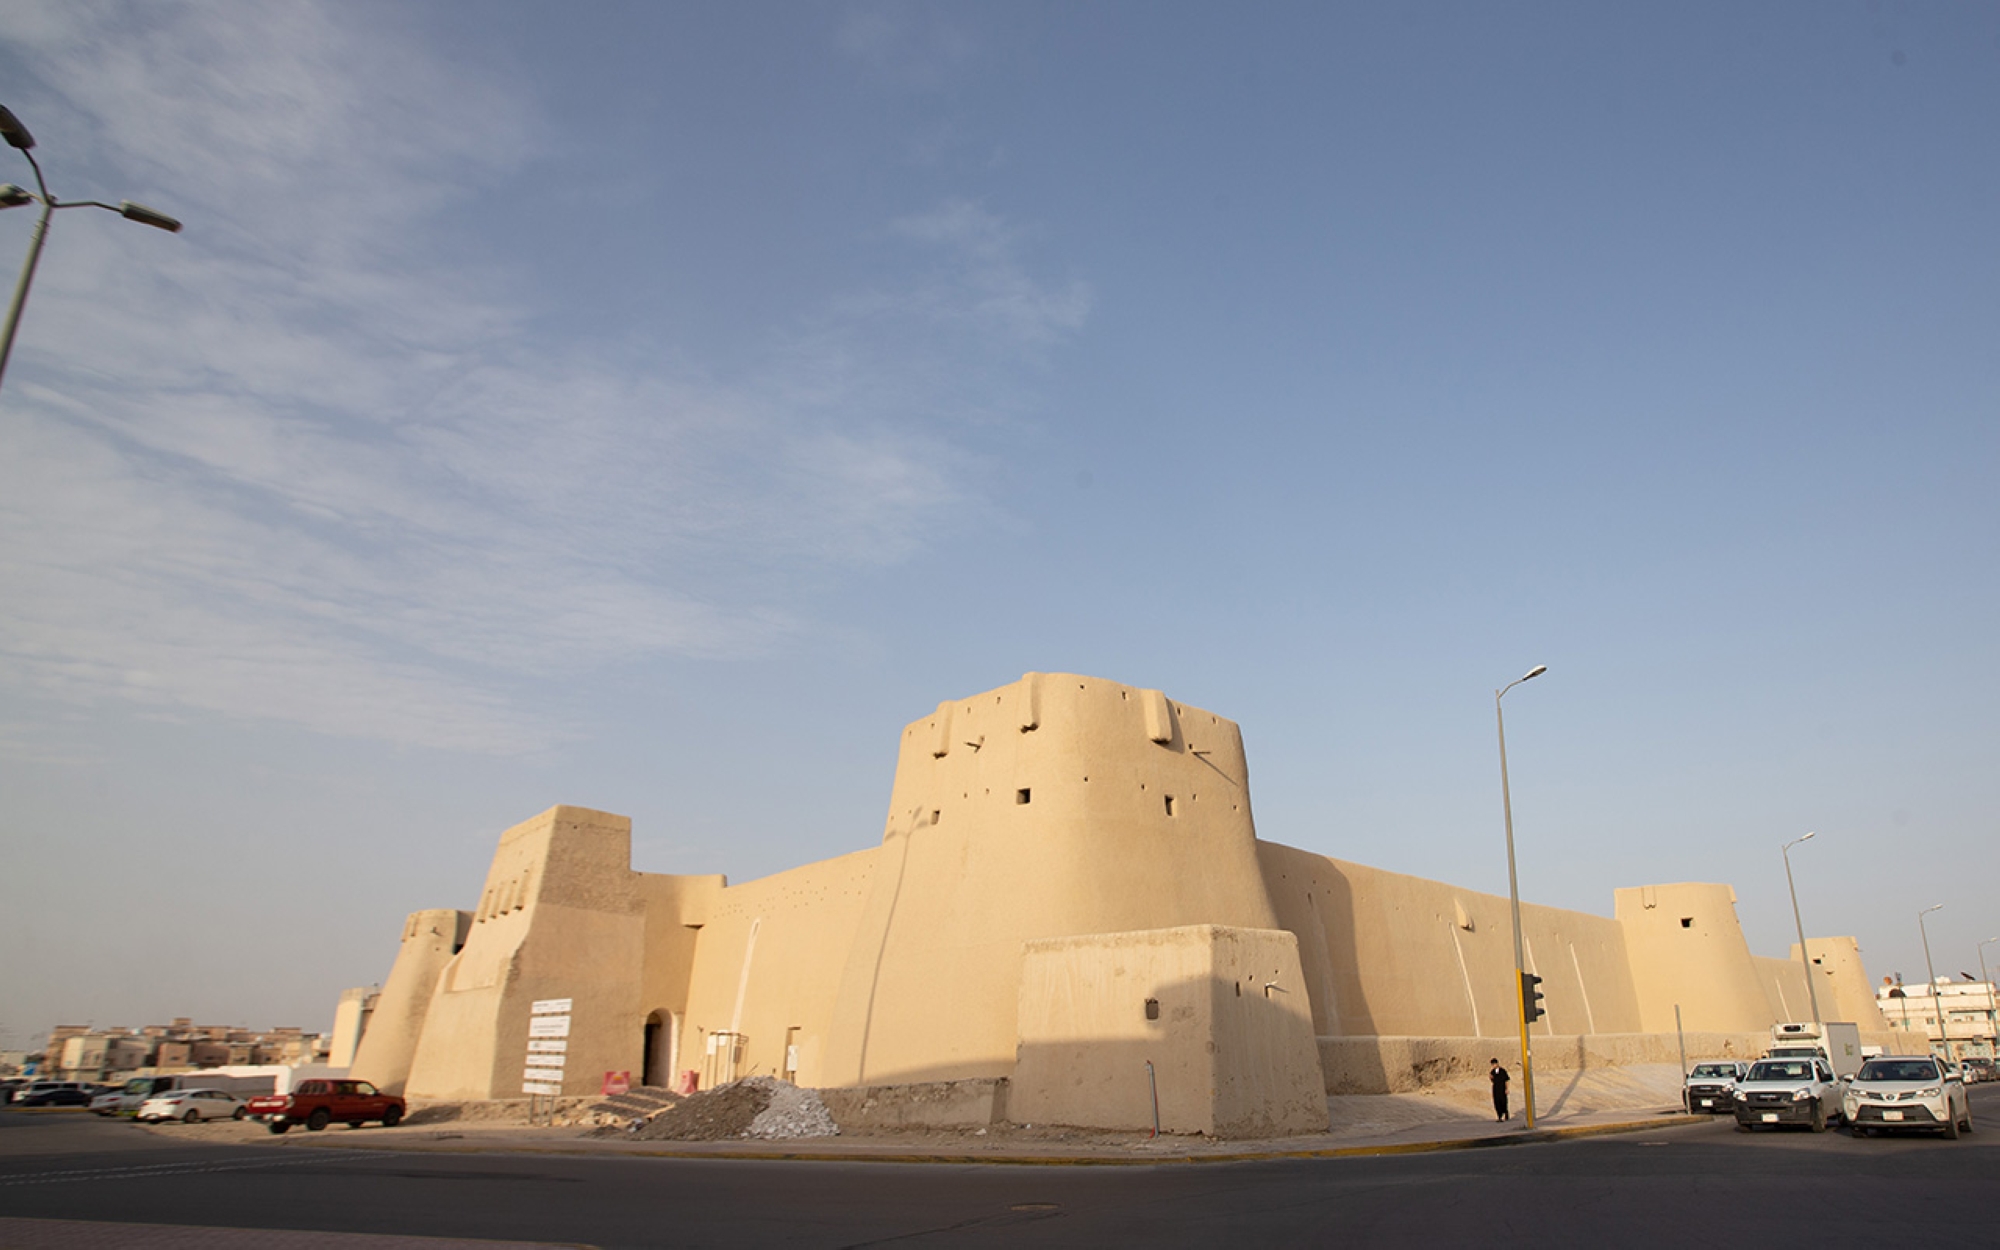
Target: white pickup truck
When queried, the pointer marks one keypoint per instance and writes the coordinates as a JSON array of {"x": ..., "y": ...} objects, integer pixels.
[{"x": 1711, "y": 1087}]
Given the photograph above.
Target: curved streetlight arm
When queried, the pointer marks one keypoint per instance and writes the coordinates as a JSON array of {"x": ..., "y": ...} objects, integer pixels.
[
  {"x": 40, "y": 182},
  {"x": 1812, "y": 991},
  {"x": 1514, "y": 899},
  {"x": 1987, "y": 980},
  {"x": 1937, "y": 999},
  {"x": 17, "y": 137}
]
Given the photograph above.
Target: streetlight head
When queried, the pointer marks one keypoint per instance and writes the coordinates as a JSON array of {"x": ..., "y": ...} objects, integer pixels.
[
  {"x": 1536, "y": 671},
  {"x": 13, "y": 131},
  {"x": 148, "y": 217},
  {"x": 12, "y": 196},
  {"x": 1807, "y": 838}
]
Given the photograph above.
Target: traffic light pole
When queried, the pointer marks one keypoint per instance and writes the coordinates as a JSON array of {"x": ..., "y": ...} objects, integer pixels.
[{"x": 1514, "y": 898}]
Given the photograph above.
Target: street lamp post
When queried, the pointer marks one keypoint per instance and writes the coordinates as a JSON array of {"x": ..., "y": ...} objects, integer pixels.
[
  {"x": 11, "y": 196},
  {"x": 1812, "y": 995},
  {"x": 1937, "y": 999},
  {"x": 1514, "y": 897},
  {"x": 1988, "y": 982}
]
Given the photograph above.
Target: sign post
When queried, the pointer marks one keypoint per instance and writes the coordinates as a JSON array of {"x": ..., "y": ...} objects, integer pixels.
[{"x": 548, "y": 1053}]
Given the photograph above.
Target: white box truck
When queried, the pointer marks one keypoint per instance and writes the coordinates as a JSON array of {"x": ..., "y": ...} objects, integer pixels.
[{"x": 1838, "y": 1042}]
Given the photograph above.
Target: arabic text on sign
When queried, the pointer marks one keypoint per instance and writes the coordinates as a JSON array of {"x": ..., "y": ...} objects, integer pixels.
[
  {"x": 550, "y": 1007},
  {"x": 538, "y": 1086},
  {"x": 551, "y": 1045},
  {"x": 546, "y": 1061},
  {"x": 549, "y": 1026}
]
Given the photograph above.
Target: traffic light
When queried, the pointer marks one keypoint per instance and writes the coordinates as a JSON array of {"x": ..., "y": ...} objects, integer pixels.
[{"x": 1531, "y": 998}]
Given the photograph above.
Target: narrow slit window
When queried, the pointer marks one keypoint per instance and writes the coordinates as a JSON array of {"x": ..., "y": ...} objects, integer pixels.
[{"x": 1171, "y": 808}]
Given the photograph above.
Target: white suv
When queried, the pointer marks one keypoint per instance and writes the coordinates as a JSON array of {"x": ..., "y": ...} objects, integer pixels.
[{"x": 1905, "y": 1092}]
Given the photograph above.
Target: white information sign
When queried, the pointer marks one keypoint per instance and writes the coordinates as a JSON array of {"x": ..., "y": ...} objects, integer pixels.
[
  {"x": 548, "y": 1026},
  {"x": 548, "y": 1031}
]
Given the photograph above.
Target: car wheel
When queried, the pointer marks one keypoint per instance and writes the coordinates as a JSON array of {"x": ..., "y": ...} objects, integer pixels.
[
  {"x": 1966, "y": 1123},
  {"x": 1818, "y": 1118},
  {"x": 318, "y": 1120},
  {"x": 280, "y": 1128},
  {"x": 238, "y": 1114},
  {"x": 392, "y": 1117},
  {"x": 192, "y": 1117},
  {"x": 1741, "y": 1127},
  {"x": 1950, "y": 1124}
]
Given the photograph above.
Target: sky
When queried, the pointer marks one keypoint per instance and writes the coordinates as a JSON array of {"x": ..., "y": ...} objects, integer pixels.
[{"x": 654, "y": 407}]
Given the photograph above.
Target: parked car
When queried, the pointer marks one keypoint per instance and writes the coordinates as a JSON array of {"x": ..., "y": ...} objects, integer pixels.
[
  {"x": 1898, "y": 1092},
  {"x": 318, "y": 1103},
  {"x": 56, "y": 1094},
  {"x": 192, "y": 1106},
  {"x": 1711, "y": 1087},
  {"x": 8, "y": 1088},
  {"x": 1978, "y": 1068},
  {"x": 1787, "y": 1091}
]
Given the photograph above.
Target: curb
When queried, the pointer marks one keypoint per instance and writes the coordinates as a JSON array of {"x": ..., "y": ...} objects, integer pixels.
[{"x": 1536, "y": 1137}]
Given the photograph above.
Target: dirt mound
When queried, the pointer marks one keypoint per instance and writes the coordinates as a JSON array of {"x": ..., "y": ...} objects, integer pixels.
[
  {"x": 712, "y": 1115},
  {"x": 758, "y": 1106}
]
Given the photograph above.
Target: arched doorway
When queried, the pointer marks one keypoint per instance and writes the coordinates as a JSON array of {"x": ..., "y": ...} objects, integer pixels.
[{"x": 662, "y": 1048}]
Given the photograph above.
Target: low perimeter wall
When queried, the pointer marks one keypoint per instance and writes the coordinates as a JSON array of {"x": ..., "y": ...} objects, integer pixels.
[
  {"x": 1402, "y": 1065},
  {"x": 927, "y": 1104}
]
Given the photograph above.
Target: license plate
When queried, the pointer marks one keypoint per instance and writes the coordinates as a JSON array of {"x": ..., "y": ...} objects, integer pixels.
[
  {"x": 1770, "y": 1117},
  {"x": 1892, "y": 1115}
]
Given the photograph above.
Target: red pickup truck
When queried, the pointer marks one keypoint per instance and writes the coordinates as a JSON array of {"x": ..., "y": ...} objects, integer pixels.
[{"x": 318, "y": 1103}]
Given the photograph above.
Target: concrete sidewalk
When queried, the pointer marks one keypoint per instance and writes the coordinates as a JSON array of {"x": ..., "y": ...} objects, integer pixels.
[{"x": 1454, "y": 1117}]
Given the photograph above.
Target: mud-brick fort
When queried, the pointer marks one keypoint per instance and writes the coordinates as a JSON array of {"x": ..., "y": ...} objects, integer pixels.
[{"x": 1069, "y": 912}]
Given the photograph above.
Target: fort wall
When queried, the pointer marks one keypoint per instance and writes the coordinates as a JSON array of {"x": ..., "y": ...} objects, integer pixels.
[{"x": 1047, "y": 843}]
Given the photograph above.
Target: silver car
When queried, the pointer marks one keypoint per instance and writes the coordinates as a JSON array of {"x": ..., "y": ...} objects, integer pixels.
[
  {"x": 192, "y": 1106},
  {"x": 1893, "y": 1092}
]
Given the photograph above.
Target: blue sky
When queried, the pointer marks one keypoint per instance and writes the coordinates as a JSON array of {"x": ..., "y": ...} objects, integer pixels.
[{"x": 654, "y": 407}]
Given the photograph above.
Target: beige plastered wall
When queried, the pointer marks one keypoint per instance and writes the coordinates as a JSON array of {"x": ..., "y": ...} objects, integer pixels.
[
  {"x": 1386, "y": 953},
  {"x": 675, "y": 908},
  {"x": 1057, "y": 807},
  {"x": 349, "y": 1019},
  {"x": 559, "y": 917},
  {"x": 1845, "y": 992},
  {"x": 767, "y": 965},
  {"x": 1206, "y": 1022},
  {"x": 388, "y": 1045}
]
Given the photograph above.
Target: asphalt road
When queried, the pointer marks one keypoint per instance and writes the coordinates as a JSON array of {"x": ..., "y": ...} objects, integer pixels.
[{"x": 1687, "y": 1186}]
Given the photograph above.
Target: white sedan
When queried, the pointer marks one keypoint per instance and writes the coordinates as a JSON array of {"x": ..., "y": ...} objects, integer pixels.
[
  {"x": 192, "y": 1106},
  {"x": 1907, "y": 1092}
]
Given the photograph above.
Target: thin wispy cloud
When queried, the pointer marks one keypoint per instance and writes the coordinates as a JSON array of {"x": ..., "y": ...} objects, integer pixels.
[{"x": 291, "y": 465}]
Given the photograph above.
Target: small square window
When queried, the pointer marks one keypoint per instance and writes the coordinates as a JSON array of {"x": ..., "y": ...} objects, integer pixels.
[
  {"x": 1152, "y": 1009},
  {"x": 1687, "y": 922},
  {"x": 1022, "y": 795}
]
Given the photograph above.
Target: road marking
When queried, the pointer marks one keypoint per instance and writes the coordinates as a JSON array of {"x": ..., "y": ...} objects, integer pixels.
[{"x": 141, "y": 1171}]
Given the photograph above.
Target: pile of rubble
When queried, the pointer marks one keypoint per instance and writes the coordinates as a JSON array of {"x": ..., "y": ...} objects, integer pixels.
[{"x": 761, "y": 1107}]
